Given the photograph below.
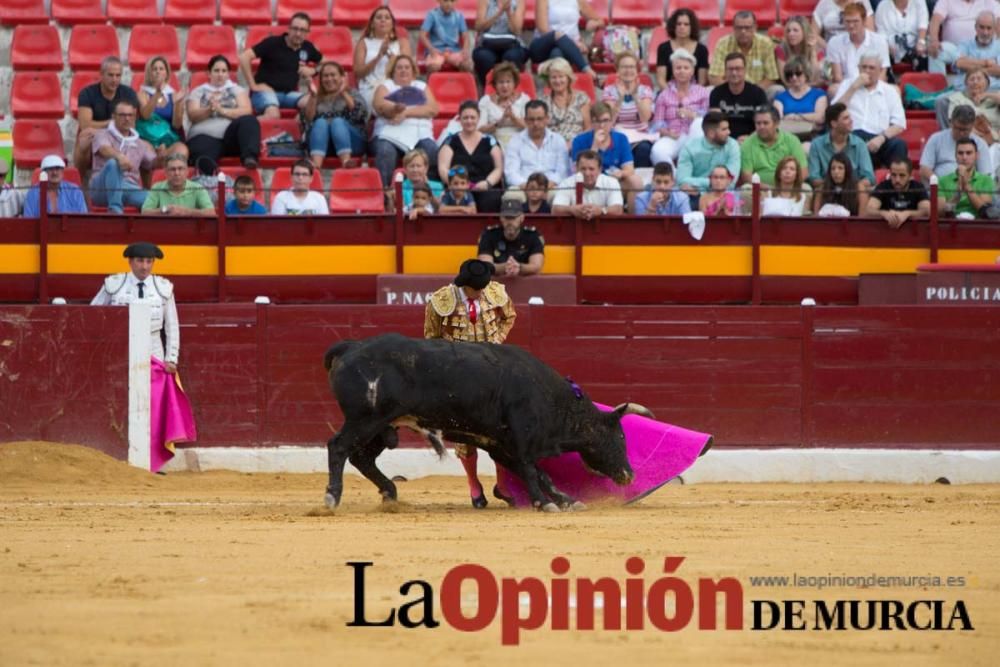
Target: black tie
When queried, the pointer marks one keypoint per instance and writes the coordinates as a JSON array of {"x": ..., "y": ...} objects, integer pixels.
[{"x": 141, "y": 286}]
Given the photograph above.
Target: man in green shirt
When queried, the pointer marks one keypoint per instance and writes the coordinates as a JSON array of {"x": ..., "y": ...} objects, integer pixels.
[
  {"x": 965, "y": 190},
  {"x": 767, "y": 146},
  {"x": 177, "y": 195}
]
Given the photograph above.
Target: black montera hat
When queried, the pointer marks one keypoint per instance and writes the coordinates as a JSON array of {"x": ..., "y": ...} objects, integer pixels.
[
  {"x": 142, "y": 249},
  {"x": 474, "y": 273}
]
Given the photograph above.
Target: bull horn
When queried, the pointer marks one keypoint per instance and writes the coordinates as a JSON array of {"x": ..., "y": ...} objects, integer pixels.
[{"x": 634, "y": 409}]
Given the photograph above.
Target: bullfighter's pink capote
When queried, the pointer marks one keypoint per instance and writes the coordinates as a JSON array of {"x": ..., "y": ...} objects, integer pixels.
[{"x": 170, "y": 416}]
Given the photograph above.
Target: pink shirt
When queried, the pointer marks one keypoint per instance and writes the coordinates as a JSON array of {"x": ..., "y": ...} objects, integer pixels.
[
  {"x": 668, "y": 104},
  {"x": 138, "y": 152},
  {"x": 960, "y": 18}
]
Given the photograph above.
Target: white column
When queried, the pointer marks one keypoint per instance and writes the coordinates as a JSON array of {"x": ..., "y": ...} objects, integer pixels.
[{"x": 139, "y": 352}]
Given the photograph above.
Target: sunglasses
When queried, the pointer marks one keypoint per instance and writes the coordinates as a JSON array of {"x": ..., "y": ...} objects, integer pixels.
[
  {"x": 457, "y": 171},
  {"x": 791, "y": 74}
]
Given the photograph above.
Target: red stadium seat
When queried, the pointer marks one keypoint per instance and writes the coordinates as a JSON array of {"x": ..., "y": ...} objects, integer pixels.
[
  {"x": 34, "y": 139},
  {"x": 316, "y": 9},
  {"x": 188, "y": 12},
  {"x": 36, "y": 95},
  {"x": 715, "y": 34},
  {"x": 254, "y": 174},
  {"x": 658, "y": 36},
  {"x": 928, "y": 82},
  {"x": 707, "y": 11},
  {"x": 411, "y": 13},
  {"x": 916, "y": 134},
  {"x": 270, "y": 127},
  {"x": 438, "y": 125},
  {"x": 70, "y": 174},
  {"x": 36, "y": 47},
  {"x": 353, "y": 13},
  {"x": 245, "y": 12},
  {"x": 599, "y": 6},
  {"x": 356, "y": 191},
  {"x": 72, "y": 12},
  {"x": 80, "y": 81},
  {"x": 335, "y": 43},
  {"x": 641, "y": 13},
  {"x": 205, "y": 41},
  {"x": 147, "y": 41},
  {"x": 131, "y": 12},
  {"x": 282, "y": 180},
  {"x": 90, "y": 44},
  {"x": 451, "y": 89},
  {"x": 790, "y": 8},
  {"x": 585, "y": 84},
  {"x": 526, "y": 84},
  {"x": 22, "y": 12},
  {"x": 764, "y": 10},
  {"x": 138, "y": 78}
]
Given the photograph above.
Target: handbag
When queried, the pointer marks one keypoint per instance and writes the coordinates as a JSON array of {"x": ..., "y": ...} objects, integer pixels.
[{"x": 156, "y": 131}]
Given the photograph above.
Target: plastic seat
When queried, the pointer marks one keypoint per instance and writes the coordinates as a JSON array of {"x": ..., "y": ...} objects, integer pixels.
[
  {"x": 70, "y": 174},
  {"x": 354, "y": 13},
  {"x": 80, "y": 81},
  {"x": 90, "y": 44},
  {"x": 147, "y": 41},
  {"x": 188, "y": 12},
  {"x": 640, "y": 13},
  {"x": 585, "y": 84},
  {"x": 245, "y": 12},
  {"x": 707, "y": 11},
  {"x": 451, "y": 89},
  {"x": 356, "y": 191},
  {"x": 131, "y": 12},
  {"x": 36, "y": 47},
  {"x": 36, "y": 95},
  {"x": 23, "y": 12},
  {"x": 34, "y": 139},
  {"x": 657, "y": 37},
  {"x": 790, "y": 8},
  {"x": 282, "y": 180},
  {"x": 763, "y": 10},
  {"x": 205, "y": 41},
  {"x": 411, "y": 13},
  {"x": 715, "y": 34},
  {"x": 916, "y": 134},
  {"x": 270, "y": 127},
  {"x": 599, "y": 6},
  {"x": 72, "y": 12},
  {"x": 316, "y": 9},
  {"x": 254, "y": 174},
  {"x": 928, "y": 82},
  {"x": 335, "y": 43},
  {"x": 525, "y": 84}
]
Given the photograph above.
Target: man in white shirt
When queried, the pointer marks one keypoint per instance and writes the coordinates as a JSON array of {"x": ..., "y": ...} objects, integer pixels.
[
  {"x": 844, "y": 50},
  {"x": 299, "y": 199},
  {"x": 952, "y": 23},
  {"x": 602, "y": 195},
  {"x": 536, "y": 149},
  {"x": 876, "y": 109}
]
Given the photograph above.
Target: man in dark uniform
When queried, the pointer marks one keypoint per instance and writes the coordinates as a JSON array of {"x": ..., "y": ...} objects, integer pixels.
[{"x": 514, "y": 250}]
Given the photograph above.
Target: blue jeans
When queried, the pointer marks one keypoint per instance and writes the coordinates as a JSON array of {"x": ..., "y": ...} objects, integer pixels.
[
  {"x": 387, "y": 155},
  {"x": 345, "y": 137},
  {"x": 486, "y": 56},
  {"x": 109, "y": 188},
  {"x": 264, "y": 99},
  {"x": 547, "y": 46}
]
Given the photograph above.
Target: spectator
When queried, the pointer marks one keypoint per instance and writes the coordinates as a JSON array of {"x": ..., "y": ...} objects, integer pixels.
[
  {"x": 62, "y": 197},
  {"x": 839, "y": 140},
  {"x": 404, "y": 107},
  {"x": 953, "y": 22},
  {"x": 222, "y": 121},
  {"x": 802, "y": 107},
  {"x": 416, "y": 165},
  {"x": 938, "y": 156},
  {"x": 844, "y": 51},
  {"x": 790, "y": 196},
  {"x": 759, "y": 65},
  {"x": 840, "y": 193},
  {"x": 982, "y": 52},
  {"x": 828, "y": 18},
  {"x": 244, "y": 200},
  {"x": 445, "y": 35},
  {"x": 283, "y": 65},
  {"x": 11, "y": 198},
  {"x": 503, "y": 111},
  {"x": 510, "y": 247},
  {"x": 765, "y": 148},
  {"x": 681, "y": 103},
  {"x": 966, "y": 191},
  {"x": 557, "y": 32},
  {"x": 480, "y": 155},
  {"x": 536, "y": 149},
  {"x": 661, "y": 198},
  {"x": 683, "y": 32},
  {"x": 632, "y": 102},
  {"x": 457, "y": 199},
  {"x": 602, "y": 194},
  {"x": 900, "y": 198},
  {"x": 986, "y": 104},
  {"x": 700, "y": 155},
  {"x": 96, "y": 105},
  {"x": 800, "y": 42},
  {"x": 299, "y": 199},
  {"x": 613, "y": 149},
  {"x": 336, "y": 115},
  {"x": 421, "y": 203},
  {"x": 738, "y": 98},
  {"x": 161, "y": 110},
  {"x": 378, "y": 45},
  {"x": 499, "y": 24},
  {"x": 876, "y": 110},
  {"x": 118, "y": 156},
  {"x": 536, "y": 194},
  {"x": 178, "y": 195},
  {"x": 720, "y": 198},
  {"x": 903, "y": 23},
  {"x": 569, "y": 109}
]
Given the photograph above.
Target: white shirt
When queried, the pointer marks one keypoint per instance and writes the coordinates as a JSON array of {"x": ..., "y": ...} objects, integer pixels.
[
  {"x": 286, "y": 203},
  {"x": 890, "y": 21},
  {"x": 960, "y": 17},
  {"x": 842, "y": 51},
  {"x": 524, "y": 157},
  {"x": 11, "y": 201},
  {"x": 121, "y": 289},
  {"x": 874, "y": 110},
  {"x": 606, "y": 193}
]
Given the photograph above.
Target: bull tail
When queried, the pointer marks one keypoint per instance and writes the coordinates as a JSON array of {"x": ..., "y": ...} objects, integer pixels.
[{"x": 336, "y": 351}]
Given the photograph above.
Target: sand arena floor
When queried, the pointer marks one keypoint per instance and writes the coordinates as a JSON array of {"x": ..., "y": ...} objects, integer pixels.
[{"x": 101, "y": 564}]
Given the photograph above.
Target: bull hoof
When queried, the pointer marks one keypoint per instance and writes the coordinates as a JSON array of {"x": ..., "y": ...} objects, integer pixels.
[
  {"x": 500, "y": 495},
  {"x": 479, "y": 502},
  {"x": 330, "y": 501},
  {"x": 577, "y": 506},
  {"x": 550, "y": 507}
]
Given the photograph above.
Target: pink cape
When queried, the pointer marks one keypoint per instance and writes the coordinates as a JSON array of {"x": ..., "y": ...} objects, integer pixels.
[
  {"x": 657, "y": 451},
  {"x": 170, "y": 416}
]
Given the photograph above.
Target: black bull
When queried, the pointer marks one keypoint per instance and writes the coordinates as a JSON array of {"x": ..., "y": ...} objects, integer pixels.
[{"x": 499, "y": 398}]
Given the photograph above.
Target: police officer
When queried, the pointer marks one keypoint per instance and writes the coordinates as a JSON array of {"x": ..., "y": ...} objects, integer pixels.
[
  {"x": 514, "y": 250},
  {"x": 140, "y": 285}
]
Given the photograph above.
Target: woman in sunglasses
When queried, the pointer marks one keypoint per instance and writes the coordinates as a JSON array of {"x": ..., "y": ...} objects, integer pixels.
[
  {"x": 801, "y": 105},
  {"x": 481, "y": 156}
]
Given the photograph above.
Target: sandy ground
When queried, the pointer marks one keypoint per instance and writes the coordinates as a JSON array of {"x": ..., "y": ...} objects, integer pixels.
[{"x": 105, "y": 565}]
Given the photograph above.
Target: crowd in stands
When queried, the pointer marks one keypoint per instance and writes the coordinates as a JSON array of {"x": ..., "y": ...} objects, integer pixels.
[{"x": 812, "y": 109}]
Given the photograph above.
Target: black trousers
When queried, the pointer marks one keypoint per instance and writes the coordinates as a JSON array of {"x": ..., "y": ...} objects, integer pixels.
[{"x": 241, "y": 139}]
